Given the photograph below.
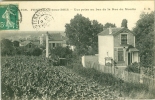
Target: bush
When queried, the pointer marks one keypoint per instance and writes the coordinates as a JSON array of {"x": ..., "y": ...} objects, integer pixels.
[
  {"x": 134, "y": 67},
  {"x": 61, "y": 52},
  {"x": 36, "y": 52}
]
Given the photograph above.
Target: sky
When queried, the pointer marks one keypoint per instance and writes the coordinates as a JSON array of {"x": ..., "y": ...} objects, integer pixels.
[{"x": 94, "y": 10}]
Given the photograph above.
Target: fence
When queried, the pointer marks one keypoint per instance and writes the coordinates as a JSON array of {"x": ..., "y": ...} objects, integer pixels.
[{"x": 92, "y": 62}]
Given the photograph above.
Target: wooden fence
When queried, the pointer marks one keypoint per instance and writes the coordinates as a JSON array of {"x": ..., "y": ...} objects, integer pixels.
[
  {"x": 128, "y": 76},
  {"x": 119, "y": 72},
  {"x": 92, "y": 62}
]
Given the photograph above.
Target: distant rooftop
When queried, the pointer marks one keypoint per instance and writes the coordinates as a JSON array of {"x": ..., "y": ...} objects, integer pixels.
[{"x": 56, "y": 37}]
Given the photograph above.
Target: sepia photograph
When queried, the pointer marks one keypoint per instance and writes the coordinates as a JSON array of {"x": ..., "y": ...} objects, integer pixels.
[{"x": 77, "y": 50}]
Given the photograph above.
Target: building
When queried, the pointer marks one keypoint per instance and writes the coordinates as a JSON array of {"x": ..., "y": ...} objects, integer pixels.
[
  {"x": 29, "y": 44},
  {"x": 54, "y": 40},
  {"x": 117, "y": 44}
]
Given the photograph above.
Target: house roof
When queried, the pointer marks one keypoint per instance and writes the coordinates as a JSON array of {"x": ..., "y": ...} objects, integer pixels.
[
  {"x": 56, "y": 37},
  {"x": 114, "y": 31},
  {"x": 36, "y": 42},
  {"x": 133, "y": 49},
  {"x": 24, "y": 43}
]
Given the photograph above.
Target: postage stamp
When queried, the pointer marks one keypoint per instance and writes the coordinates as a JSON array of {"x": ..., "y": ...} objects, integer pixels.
[
  {"x": 41, "y": 18},
  {"x": 10, "y": 16}
]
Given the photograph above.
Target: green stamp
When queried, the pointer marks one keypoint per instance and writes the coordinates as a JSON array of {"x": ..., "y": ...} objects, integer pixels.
[{"x": 9, "y": 17}]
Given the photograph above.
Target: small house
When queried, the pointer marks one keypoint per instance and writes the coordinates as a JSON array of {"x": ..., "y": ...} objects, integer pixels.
[
  {"x": 119, "y": 45},
  {"x": 29, "y": 44},
  {"x": 54, "y": 40}
]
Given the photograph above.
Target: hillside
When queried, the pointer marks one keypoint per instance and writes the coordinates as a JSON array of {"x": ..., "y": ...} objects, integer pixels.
[{"x": 33, "y": 77}]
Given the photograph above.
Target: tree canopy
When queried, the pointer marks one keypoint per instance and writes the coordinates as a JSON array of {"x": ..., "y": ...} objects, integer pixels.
[
  {"x": 144, "y": 32},
  {"x": 10, "y": 48},
  {"x": 107, "y": 25},
  {"x": 6, "y": 47},
  {"x": 82, "y": 33}
]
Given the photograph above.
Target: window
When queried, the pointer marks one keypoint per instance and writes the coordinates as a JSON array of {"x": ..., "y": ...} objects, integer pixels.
[
  {"x": 53, "y": 44},
  {"x": 120, "y": 56},
  {"x": 123, "y": 38}
]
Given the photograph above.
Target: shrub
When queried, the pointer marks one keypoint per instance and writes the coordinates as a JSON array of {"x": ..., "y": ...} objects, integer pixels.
[
  {"x": 36, "y": 52},
  {"x": 134, "y": 67}
]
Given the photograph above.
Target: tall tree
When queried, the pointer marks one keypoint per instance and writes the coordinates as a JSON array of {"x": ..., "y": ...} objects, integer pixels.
[
  {"x": 144, "y": 32},
  {"x": 95, "y": 29},
  {"x": 124, "y": 23},
  {"x": 82, "y": 33}
]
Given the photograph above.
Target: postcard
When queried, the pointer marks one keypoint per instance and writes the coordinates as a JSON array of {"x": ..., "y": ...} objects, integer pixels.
[{"x": 73, "y": 50}]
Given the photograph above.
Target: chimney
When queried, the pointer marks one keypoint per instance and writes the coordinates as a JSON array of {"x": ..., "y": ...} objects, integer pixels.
[{"x": 110, "y": 31}]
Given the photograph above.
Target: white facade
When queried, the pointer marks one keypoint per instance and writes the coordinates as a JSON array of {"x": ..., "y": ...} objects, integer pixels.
[
  {"x": 121, "y": 49},
  {"x": 106, "y": 47}
]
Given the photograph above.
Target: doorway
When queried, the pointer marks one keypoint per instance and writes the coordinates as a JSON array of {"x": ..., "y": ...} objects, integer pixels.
[{"x": 129, "y": 58}]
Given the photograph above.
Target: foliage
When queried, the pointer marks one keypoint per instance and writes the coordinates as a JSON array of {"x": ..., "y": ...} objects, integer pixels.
[
  {"x": 107, "y": 25},
  {"x": 107, "y": 79},
  {"x": 15, "y": 43},
  {"x": 82, "y": 33},
  {"x": 144, "y": 32},
  {"x": 61, "y": 52},
  {"x": 60, "y": 55},
  {"x": 32, "y": 51},
  {"x": 36, "y": 51},
  {"x": 6, "y": 47},
  {"x": 134, "y": 67},
  {"x": 12, "y": 48},
  {"x": 124, "y": 23},
  {"x": 30, "y": 78},
  {"x": 148, "y": 71}
]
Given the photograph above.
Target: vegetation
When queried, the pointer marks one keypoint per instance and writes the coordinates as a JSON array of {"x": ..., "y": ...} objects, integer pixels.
[
  {"x": 134, "y": 67},
  {"x": 82, "y": 33},
  {"x": 61, "y": 52},
  {"x": 6, "y": 47},
  {"x": 129, "y": 90},
  {"x": 144, "y": 32},
  {"x": 107, "y": 25},
  {"x": 28, "y": 77},
  {"x": 9, "y": 48}
]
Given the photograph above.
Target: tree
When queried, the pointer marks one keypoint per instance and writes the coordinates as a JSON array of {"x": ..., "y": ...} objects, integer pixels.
[
  {"x": 82, "y": 33},
  {"x": 15, "y": 43},
  {"x": 61, "y": 52},
  {"x": 6, "y": 47},
  {"x": 144, "y": 32},
  {"x": 124, "y": 23},
  {"x": 107, "y": 25},
  {"x": 36, "y": 51}
]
